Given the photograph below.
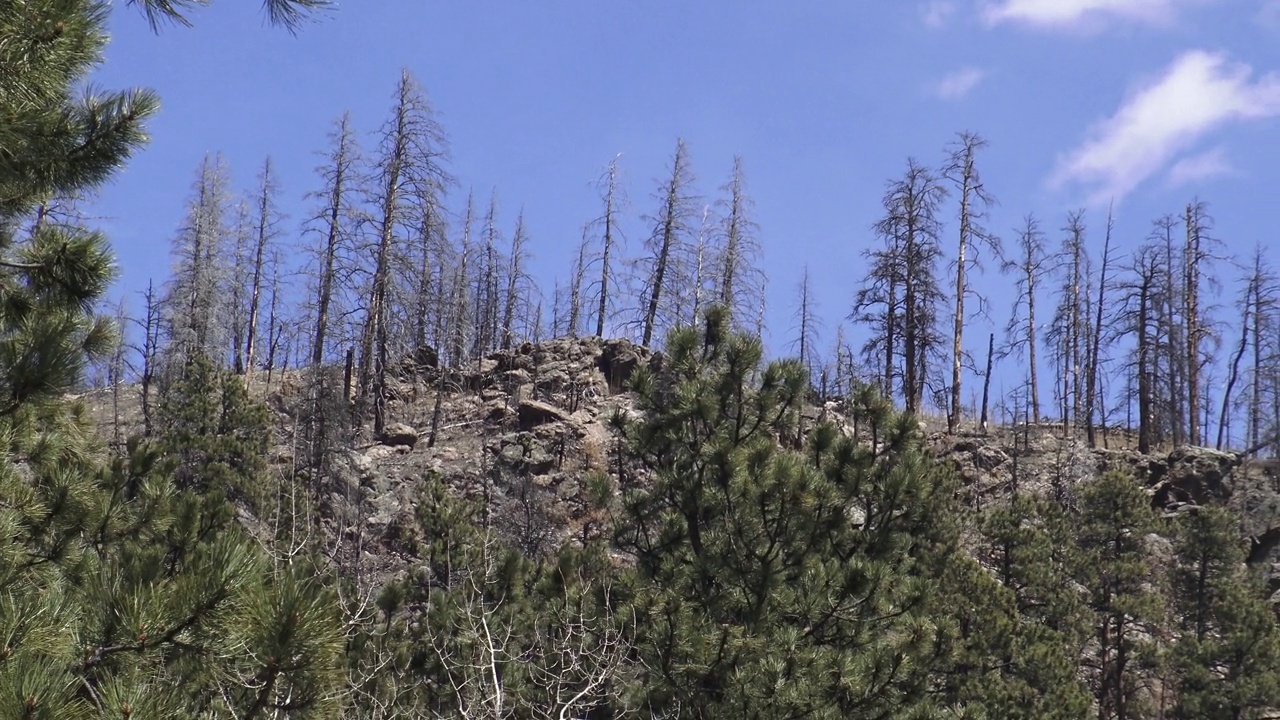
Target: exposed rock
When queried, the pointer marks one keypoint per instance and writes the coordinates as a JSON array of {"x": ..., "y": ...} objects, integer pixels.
[
  {"x": 989, "y": 458},
  {"x": 424, "y": 358},
  {"x": 495, "y": 410},
  {"x": 532, "y": 413},
  {"x": 617, "y": 361},
  {"x": 399, "y": 434},
  {"x": 382, "y": 452},
  {"x": 1187, "y": 475}
]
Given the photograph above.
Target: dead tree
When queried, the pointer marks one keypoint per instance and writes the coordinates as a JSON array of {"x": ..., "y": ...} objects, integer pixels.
[
  {"x": 332, "y": 222},
  {"x": 901, "y": 294},
  {"x": 1093, "y": 360},
  {"x": 486, "y": 283},
  {"x": 670, "y": 230},
  {"x": 738, "y": 276},
  {"x": 461, "y": 313},
  {"x": 1264, "y": 312},
  {"x": 1170, "y": 363},
  {"x": 610, "y": 240},
  {"x": 1022, "y": 330},
  {"x": 194, "y": 309},
  {"x": 807, "y": 324},
  {"x": 1198, "y": 257},
  {"x": 1247, "y": 305},
  {"x": 411, "y": 155},
  {"x": 573, "y": 319},
  {"x": 961, "y": 170},
  {"x": 517, "y": 281},
  {"x": 266, "y": 230},
  {"x": 1068, "y": 332}
]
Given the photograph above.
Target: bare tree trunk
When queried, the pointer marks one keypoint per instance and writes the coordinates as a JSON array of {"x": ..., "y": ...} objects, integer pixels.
[
  {"x": 1094, "y": 355},
  {"x": 1191, "y": 317},
  {"x": 413, "y": 146},
  {"x": 1234, "y": 372},
  {"x": 962, "y": 171},
  {"x": 740, "y": 279},
  {"x": 574, "y": 321},
  {"x": 265, "y": 232},
  {"x": 515, "y": 277},
  {"x": 337, "y": 173},
  {"x": 1029, "y": 266},
  {"x": 611, "y": 198},
  {"x": 462, "y": 310},
  {"x": 670, "y": 228},
  {"x": 1145, "y": 389},
  {"x": 150, "y": 346},
  {"x": 986, "y": 381}
]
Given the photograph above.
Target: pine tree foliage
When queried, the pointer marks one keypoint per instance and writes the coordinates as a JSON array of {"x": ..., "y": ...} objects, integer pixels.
[
  {"x": 1227, "y": 657},
  {"x": 778, "y": 583},
  {"x": 1115, "y": 568}
]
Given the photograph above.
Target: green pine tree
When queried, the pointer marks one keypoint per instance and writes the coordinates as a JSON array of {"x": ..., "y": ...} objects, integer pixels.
[
  {"x": 772, "y": 582},
  {"x": 1022, "y": 623},
  {"x": 1226, "y": 660},
  {"x": 1113, "y": 529}
]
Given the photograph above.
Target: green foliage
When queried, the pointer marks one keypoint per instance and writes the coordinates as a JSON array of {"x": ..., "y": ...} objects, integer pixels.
[
  {"x": 1115, "y": 569},
  {"x": 1022, "y": 623},
  {"x": 219, "y": 436},
  {"x": 774, "y": 582},
  {"x": 53, "y": 143},
  {"x": 1227, "y": 658}
]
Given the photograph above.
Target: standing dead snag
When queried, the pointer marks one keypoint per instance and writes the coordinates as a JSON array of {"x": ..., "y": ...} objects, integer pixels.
[
  {"x": 486, "y": 281},
  {"x": 1265, "y": 333},
  {"x": 1092, "y": 394},
  {"x": 1197, "y": 258},
  {"x": 412, "y": 150},
  {"x": 194, "y": 306},
  {"x": 610, "y": 238},
  {"x": 1030, "y": 267},
  {"x": 901, "y": 293},
  {"x": 671, "y": 228},
  {"x": 516, "y": 281},
  {"x": 738, "y": 275},
  {"x": 266, "y": 230},
  {"x": 1068, "y": 332},
  {"x": 961, "y": 171},
  {"x": 334, "y": 221},
  {"x": 806, "y": 325}
]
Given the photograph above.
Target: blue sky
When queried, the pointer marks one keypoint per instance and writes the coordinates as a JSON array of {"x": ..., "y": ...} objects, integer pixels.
[{"x": 1147, "y": 103}]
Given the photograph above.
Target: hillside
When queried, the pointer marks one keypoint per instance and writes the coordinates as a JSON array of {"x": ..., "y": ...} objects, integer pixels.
[{"x": 523, "y": 429}]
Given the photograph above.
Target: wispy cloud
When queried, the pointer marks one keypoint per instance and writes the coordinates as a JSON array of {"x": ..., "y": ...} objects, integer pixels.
[
  {"x": 1199, "y": 93},
  {"x": 1199, "y": 167},
  {"x": 1075, "y": 13},
  {"x": 936, "y": 13},
  {"x": 958, "y": 84}
]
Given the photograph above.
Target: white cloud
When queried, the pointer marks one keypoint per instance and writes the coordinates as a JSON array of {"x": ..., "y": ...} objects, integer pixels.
[
  {"x": 958, "y": 84},
  {"x": 936, "y": 13},
  {"x": 1199, "y": 167},
  {"x": 1200, "y": 92},
  {"x": 1073, "y": 13}
]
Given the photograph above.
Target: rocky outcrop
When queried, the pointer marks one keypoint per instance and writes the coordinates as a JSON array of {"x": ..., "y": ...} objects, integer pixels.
[
  {"x": 532, "y": 413},
  {"x": 399, "y": 434},
  {"x": 524, "y": 429}
]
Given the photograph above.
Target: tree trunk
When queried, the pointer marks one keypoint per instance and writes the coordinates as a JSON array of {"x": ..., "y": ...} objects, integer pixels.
[
  {"x": 1091, "y": 389},
  {"x": 986, "y": 381}
]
